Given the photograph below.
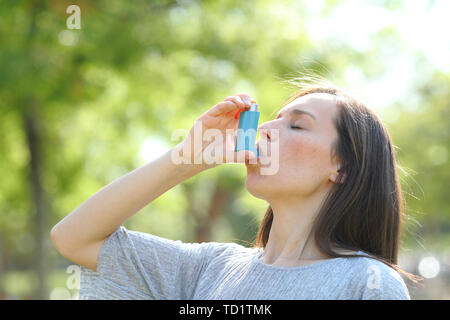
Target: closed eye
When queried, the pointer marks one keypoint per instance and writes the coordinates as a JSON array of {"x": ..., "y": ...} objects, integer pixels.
[{"x": 295, "y": 127}]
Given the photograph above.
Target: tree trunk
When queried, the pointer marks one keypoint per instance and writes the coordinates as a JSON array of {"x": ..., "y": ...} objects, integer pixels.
[
  {"x": 202, "y": 217},
  {"x": 218, "y": 203},
  {"x": 33, "y": 130}
]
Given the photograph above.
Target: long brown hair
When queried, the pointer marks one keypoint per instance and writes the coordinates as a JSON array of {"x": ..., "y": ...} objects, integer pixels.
[{"x": 364, "y": 209}]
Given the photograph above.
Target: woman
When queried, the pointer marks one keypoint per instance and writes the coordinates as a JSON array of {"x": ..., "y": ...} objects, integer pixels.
[{"x": 331, "y": 230}]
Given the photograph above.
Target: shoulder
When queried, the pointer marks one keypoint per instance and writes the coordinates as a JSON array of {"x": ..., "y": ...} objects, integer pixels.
[
  {"x": 210, "y": 249},
  {"x": 129, "y": 246},
  {"x": 229, "y": 249},
  {"x": 372, "y": 279}
]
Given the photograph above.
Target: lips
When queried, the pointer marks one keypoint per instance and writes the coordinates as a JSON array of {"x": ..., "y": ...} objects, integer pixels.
[{"x": 264, "y": 151}]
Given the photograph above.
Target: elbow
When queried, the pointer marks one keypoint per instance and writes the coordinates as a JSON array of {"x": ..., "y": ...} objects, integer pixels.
[{"x": 57, "y": 239}]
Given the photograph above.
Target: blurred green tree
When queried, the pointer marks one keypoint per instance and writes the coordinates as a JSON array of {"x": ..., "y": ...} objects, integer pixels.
[{"x": 80, "y": 108}]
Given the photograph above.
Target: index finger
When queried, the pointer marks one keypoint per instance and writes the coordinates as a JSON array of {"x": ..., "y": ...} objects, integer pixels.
[
  {"x": 225, "y": 107},
  {"x": 245, "y": 97}
]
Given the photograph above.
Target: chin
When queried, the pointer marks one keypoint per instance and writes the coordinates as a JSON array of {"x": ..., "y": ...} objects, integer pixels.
[{"x": 255, "y": 183}]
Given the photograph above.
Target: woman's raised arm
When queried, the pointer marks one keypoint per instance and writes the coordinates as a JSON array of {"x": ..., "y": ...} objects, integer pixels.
[{"x": 80, "y": 235}]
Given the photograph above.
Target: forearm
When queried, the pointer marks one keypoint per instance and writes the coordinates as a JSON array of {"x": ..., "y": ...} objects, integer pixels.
[{"x": 111, "y": 206}]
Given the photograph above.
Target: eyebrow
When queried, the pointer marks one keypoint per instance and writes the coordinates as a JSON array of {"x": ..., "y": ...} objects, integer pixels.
[{"x": 298, "y": 112}]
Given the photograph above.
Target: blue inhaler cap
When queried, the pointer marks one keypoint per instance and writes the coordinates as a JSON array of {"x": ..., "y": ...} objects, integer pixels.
[{"x": 247, "y": 129}]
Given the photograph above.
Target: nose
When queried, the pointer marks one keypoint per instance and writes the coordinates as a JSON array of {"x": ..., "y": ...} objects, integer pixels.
[{"x": 264, "y": 132}]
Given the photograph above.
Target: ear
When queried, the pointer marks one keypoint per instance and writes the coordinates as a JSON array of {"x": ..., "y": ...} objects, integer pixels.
[{"x": 334, "y": 176}]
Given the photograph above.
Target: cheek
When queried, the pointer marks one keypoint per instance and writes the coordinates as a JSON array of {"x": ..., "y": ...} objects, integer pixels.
[
  {"x": 300, "y": 151},
  {"x": 304, "y": 156},
  {"x": 302, "y": 166}
]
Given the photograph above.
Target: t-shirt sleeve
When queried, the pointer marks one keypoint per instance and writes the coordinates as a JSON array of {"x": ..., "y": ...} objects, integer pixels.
[
  {"x": 381, "y": 282},
  {"x": 136, "y": 265}
]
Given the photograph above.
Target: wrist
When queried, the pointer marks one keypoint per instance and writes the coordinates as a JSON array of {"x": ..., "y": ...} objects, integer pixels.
[{"x": 182, "y": 161}]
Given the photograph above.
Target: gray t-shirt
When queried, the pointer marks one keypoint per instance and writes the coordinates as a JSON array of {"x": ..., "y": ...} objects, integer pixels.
[{"x": 136, "y": 265}]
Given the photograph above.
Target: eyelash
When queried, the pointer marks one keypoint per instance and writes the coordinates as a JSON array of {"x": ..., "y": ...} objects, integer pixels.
[{"x": 292, "y": 127}]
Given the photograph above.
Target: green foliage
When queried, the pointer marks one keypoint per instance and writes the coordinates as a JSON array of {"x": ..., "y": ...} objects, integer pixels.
[{"x": 144, "y": 69}]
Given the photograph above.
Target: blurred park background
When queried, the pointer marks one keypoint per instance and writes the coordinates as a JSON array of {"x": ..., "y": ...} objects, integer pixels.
[{"x": 81, "y": 107}]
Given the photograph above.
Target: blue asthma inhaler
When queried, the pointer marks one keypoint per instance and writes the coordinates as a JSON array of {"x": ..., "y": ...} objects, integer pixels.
[{"x": 247, "y": 129}]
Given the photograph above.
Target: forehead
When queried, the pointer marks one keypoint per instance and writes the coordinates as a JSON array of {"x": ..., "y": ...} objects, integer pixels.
[{"x": 321, "y": 105}]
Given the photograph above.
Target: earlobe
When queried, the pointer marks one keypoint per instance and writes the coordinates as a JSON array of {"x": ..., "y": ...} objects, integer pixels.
[{"x": 334, "y": 177}]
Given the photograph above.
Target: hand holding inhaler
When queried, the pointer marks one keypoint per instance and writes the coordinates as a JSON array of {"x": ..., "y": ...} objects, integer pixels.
[{"x": 227, "y": 129}]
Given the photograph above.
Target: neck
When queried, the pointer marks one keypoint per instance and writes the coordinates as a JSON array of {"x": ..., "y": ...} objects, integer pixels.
[{"x": 291, "y": 237}]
